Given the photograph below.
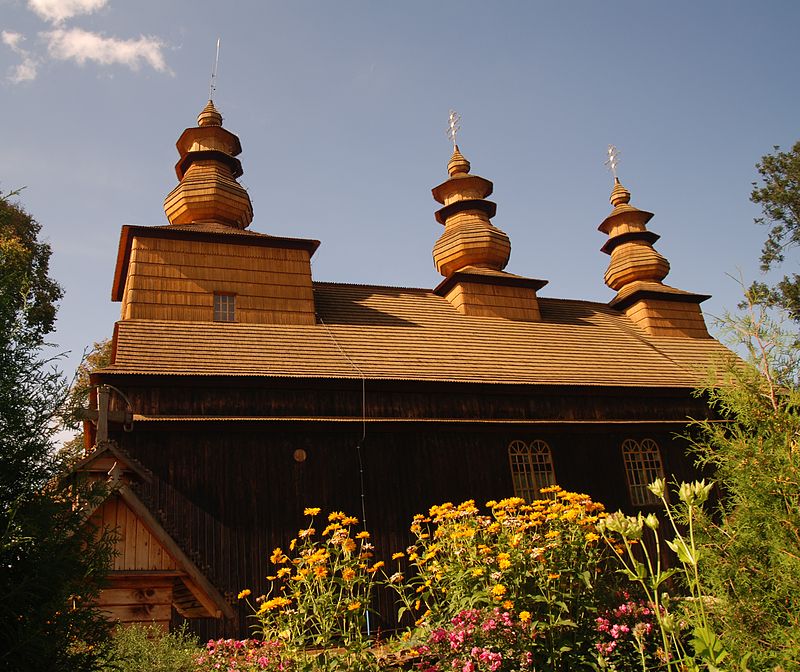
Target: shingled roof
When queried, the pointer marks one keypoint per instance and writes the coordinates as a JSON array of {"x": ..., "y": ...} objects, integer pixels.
[{"x": 413, "y": 334}]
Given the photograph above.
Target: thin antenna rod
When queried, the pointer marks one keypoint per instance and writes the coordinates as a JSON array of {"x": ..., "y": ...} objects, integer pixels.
[{"x": 213, "y": 87}]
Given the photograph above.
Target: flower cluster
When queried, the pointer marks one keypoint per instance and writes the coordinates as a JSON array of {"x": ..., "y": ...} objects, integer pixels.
[
  {"x": 247, "y": 655},
  {"x": 320, "y": 592},
  {"x": 542, "y": 559},
  {"x": 628, "y": 634},
  {"x": 489, "y": 640}
]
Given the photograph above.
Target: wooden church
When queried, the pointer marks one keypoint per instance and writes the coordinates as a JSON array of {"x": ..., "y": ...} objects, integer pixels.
[{"x": 255, "y": 390}]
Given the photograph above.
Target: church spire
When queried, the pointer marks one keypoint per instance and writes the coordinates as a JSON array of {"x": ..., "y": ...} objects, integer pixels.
[
  {"x": 207, "y": 191},
  {"x": 469, "y": 238},
  {"x": 472, "y": 253},
  {"x": 630, "y": 244},
  {"x": 636, "y": 271}
]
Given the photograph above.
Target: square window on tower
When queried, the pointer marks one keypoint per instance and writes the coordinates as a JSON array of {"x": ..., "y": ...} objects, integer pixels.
[{"x": 224, "y": 307}]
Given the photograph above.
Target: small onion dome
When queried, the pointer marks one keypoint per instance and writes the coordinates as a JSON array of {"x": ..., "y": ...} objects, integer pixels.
[
  {"x": 210, "y": 116},
  {"x": 619, "y": 194},
  {"x": 458, "y": 163}
]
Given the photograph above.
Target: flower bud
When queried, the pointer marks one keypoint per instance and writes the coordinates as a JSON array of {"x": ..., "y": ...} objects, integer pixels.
[{"x": 658, "y": 487}]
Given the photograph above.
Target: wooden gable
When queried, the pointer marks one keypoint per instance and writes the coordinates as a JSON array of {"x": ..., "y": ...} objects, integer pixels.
[{"x": 150, "y": 573}]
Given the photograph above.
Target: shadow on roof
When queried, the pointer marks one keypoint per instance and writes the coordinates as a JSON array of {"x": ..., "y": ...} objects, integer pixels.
[
  {"x": 566, "y": 311},
  {"x": 346, "y": 304}
]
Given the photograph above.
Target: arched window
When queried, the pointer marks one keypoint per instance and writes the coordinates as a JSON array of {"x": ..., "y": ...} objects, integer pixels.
[
  {"x": 531, "y": 468},
  {"x": 642, "y": 467}
]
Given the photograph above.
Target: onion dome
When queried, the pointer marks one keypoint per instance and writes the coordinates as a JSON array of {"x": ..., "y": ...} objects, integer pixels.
[
  {"x": 210, "y": 116},
  {"x": 207, "y": 170},
  {"x": 630, "y": 244},
  {"x": 469, "y": 238}
]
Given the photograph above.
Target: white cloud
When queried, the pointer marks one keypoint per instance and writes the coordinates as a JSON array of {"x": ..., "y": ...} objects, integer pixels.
[
  {"x": 80, "y": 46},
  {"x": 25, "y": 71},
  {"x": 12, "y": 39},
  {"x": 57, "y": 11}
]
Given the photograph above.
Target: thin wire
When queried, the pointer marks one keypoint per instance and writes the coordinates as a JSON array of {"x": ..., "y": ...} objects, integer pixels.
[{"x": 363, "y": 434}]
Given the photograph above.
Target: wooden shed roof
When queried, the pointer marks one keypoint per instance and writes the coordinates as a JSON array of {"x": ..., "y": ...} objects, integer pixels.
[{"x": 413, "y": 334}]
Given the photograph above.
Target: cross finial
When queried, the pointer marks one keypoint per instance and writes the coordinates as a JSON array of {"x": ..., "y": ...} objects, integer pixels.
[
  {"x": 453, "y": 126},
  {"x": 213, "y": 86},
  {"x": 613, "y": 160}
]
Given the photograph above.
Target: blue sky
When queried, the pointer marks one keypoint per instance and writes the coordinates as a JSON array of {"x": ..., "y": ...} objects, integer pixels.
[{"x": 341, "y": 108}]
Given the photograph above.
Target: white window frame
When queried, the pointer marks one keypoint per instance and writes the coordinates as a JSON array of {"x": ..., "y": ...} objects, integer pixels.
[
  {"x": 643, "y": 465},
  {"x": 224, "y": 307},
  {"x": 531, "y": 468}
]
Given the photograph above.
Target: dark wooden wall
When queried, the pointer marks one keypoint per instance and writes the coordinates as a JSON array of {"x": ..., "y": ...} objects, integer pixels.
[{"x": 231, "y": 492}]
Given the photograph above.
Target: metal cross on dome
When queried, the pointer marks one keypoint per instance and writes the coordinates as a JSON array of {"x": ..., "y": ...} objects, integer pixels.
[
  {"x": 453, "y": 126},
  {"x": 613, "y": 160}
]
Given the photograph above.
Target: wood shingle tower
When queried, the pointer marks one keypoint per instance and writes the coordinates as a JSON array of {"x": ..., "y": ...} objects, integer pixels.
[
  {"x": 472, "y": 253},
  {"x": 636, "y": 272},
  {"x": 207, "y": 191}
]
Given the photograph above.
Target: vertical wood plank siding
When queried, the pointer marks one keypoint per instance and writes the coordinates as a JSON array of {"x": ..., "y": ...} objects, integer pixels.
[{"x": 256, "y": 490}]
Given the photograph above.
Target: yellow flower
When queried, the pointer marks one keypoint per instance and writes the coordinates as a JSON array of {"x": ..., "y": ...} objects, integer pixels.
[
  {"x": 292, "y": 544},
  {"x": 397, "y": 556},
  {"x": 320, "y": 571},
  {"x": 353, "y": 606},
  {"x": 363, "y": 535},
  {"x": 554, "y": 576},
  {"x": 311, "y": 511},
  {"x": 552, "y": 534},
  {"x": 375, "y": 567},
  {"x": 423, "y": 618},
  {"x": 348, "y": 574},
  {"x": 335, "y": 515},
  {"x": 348, "y": 545},
  {"x": 283, "y": 572},
  {"x": 508, "y": 605},
  {"x": 274, "y": 603},
  {"x": 549, "y": 489},
  {"x": 331, "y": 528},
  {"x": 503, "y": 561},
  {"x": 349, "y": 520},
  {"x": 278, "y": 557},
  {"x": 306, "y": 533},
  {"x": 591, "y": 536},
  {"x": 524, "y": 616},
  {"x": 244, "y": 593},
  {"x": 499, "y": 590},
  {"x": 478, "y": 571}
]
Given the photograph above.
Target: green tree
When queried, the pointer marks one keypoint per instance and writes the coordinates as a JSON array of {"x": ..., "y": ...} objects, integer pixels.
[
  {"x": 51, "y": 562},
  {"x": 98, "y": 357},
  {"x": 750, "y": 557},
  {"x": 778, "y": 194},
  {"x": 25, "y": 287}
]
